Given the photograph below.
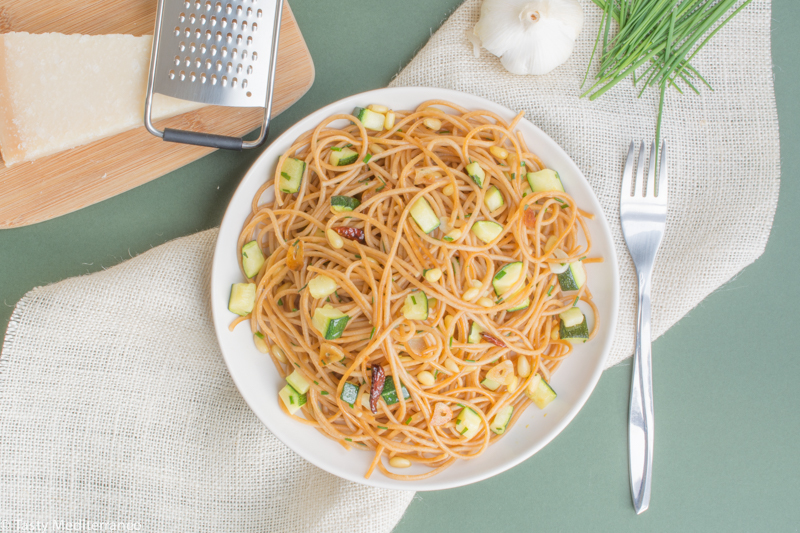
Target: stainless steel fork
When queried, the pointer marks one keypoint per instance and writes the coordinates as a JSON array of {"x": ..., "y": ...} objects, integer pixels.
[{"x": 643, "y": 216}]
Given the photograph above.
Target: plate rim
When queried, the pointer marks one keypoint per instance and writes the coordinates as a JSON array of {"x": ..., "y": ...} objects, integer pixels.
[{"x": 429, "y": 484}]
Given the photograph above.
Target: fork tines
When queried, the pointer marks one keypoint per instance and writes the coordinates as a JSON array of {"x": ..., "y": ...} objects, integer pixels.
[{"x": 656, "y": 189}]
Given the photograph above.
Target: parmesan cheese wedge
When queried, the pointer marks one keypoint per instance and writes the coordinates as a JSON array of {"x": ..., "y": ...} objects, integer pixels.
[{"x": 60, "y": 91}]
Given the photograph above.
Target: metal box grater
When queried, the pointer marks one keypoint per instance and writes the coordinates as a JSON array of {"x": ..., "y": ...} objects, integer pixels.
[{"x": 215, "y": 52}]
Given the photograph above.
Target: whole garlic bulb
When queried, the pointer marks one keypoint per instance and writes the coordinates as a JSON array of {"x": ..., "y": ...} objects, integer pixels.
[{"x": 529, "y": 37}]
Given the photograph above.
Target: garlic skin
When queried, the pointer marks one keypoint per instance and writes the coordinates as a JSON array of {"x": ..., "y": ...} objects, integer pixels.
[{"x": 529, "y": 37}]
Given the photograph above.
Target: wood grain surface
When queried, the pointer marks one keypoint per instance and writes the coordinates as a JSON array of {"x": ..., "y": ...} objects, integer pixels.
[{"x": 70, "y": 180}]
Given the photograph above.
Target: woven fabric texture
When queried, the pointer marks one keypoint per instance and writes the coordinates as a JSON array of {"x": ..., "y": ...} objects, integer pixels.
[
  {"x": 724, "y": 160},
  {"x": 116, "y": 407}
]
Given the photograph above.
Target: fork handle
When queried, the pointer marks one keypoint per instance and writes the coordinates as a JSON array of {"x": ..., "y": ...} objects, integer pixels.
[{"x": 641, "y": 418}]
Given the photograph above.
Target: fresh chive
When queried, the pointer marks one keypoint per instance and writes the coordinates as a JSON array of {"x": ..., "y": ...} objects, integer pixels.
[
  {"x": 435, "y": 373},
  {"x": 522, "y": 164},
  {"x": 348, "y": 145},
  {"x": 550, "y": 290},
  {"x": 413, "y": 300},
  {"x": 315, "y": 382},
  {"x": 295, "y": 364},
  {"x": 408, "y": 421},
  {"x": 500, "y": 275},
  {"x": 576, "y": 301},
  {"x": 358, "y": 256},
  {"x": 348, "y": 439},
  {"x": 285, "y": 175},
  {"x": 372, "y": 333},
  {"x": 361, "y": 443},
  {"x": 323, "y": 393},
  {"x": 383, "y": 427},
  {"x": 294, "y": 309},
  {"x": 280, "y": 301},
  {"x": 367, "y": 158},
  {"x": 582, "y": 258},
  {"x": 303, "y": 287},
  {"x": 336, "y": 149},
  {"x": 451, "y": 342}
]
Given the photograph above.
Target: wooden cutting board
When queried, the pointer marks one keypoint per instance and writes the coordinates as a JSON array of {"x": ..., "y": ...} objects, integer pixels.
[{"x": 67, "y": 181}]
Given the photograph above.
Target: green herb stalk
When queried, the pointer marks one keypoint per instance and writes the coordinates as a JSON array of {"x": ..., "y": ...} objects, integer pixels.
[{"x": 658, "y": 38}]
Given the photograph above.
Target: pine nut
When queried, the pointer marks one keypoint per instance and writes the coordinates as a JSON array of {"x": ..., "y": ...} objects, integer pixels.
[
  {"x": 433, "y": 275},
  {"x": 476, "y": 283},
  {"x": 448, "y": 319},
  {"x": 388, "y": 122},
  {"x": 433, "y": 124},
  {"x": 378, "y": 108},
  {"x": 486, "y": 302},
  {"x": 513, "y": 385},
  {"x": 523, "y": 366},
  {"x": 426, "y": 378},
  {"x": 499, "y": 153},
  {"x": 261, "y": 344},
  {"x": 554, "y": 334},
  {"x": 279, "y": 354},
  {"x": 452, "y": 366},
  {"x": 334, "y": 239},
  {"x": 470, "y": 294},
  {"x": 448, "y": 190},
  {"x": 550, "y": 244},
  {"x": 376, "y": 149},
  {"x": 399, "y": 462}
]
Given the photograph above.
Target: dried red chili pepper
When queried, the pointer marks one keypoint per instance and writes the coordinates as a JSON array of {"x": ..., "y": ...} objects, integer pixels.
[
  {"x": 294, "y": 257},
  {"x": 529, "y": 218},
  {"x": 378, "y": 379},
  {"x": 354, "y": 234},
  {"x": 493, "y": 340}
]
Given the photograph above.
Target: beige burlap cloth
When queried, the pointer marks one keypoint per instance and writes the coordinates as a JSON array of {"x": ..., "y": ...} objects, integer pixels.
[
  {"x": 116, "y": 407},
  {"x": 724, "y": 159}
]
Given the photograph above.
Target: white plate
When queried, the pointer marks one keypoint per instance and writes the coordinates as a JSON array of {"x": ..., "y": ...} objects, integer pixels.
[{"x": 259, "y": 382}]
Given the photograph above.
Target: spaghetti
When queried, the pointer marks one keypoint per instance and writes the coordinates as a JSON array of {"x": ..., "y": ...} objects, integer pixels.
[{"x": 434, "y": 385}]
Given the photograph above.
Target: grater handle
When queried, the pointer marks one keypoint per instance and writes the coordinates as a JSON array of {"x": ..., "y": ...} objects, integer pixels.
[{"x": 203, "y": 139}]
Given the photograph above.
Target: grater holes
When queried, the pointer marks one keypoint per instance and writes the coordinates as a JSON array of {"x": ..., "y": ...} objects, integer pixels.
[
  {"x": 239, "y": 69},
  {"x": 182, "y": 46},
  {"x": 203, "y": 77},
  {"x": 224, "y": 51},
  {"x": 239, "y": 39},
  {"x": 255, "y": 56},
  {"x": 213, "y": 21},
  {"x": 203, "y": 48},
  {"x": 182, "y": 17},
  {"x": 182, "y": 75},
  {"x": 224, "y": 22},
  {"x": 208, "y": 64},
  {"x": 239, "y": 10},
  {"x": 254, "y": 28},
  {"x": 192, "y": 76},
  {"x": 214, "y": 50},
  {"x": 224, "y": 81},
  {"x": 188, "y": 32},
  {"x": 218, "y": 7},
  {"x": 208, "y": 5},
  {"x": 192, "y": 19},
  {"x": 177, "y": 31},
  {"x": 203, "y": 20},
  {"x": 259, "y": 14},
  {"x": 188, "y": 61},
  {"x": 197, "y": 5},
  {"x": 197, "y": 62},
  {"x": 234, "y": 23},
  {"x": 213, "y": 79},
  {"x": 229, "y": 67},
  {"x": 208, "y": 35},
  {"x": 244, "y": 54},
  {"x": 228, "y": 9},
  {"x": 219, "y": 36},
  {"x": 244, "y": 85},
  {"x": 186, "y": 4},
  {"x": 172, "y": 74},
  {"x": 234, "y": 81},
  {"x": 249, "y": 94},
  {"x": 229, "y": 38},
  {"x": 249, "y": 41},
  {"x": 249, "y": 69},
  {"x": 177, "y": 60},
  {"x": 249, "y": 12},
  {"x": 244, "y": 25},
  {"x": 218, "y": 66}
]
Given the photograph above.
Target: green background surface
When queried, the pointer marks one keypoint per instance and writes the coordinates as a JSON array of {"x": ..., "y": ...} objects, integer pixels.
[{"x": 725, "y": 377}]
